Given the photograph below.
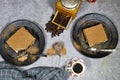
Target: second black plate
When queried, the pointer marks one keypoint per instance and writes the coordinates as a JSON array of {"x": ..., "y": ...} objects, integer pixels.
[{"x": 91, "y": 20}]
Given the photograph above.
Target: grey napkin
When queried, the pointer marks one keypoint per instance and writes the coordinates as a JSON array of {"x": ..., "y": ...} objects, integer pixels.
[{"x": 10, "y": 72}]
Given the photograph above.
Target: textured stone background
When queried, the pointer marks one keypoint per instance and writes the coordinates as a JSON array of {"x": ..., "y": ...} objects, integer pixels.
[{"x": 107, "y": 68}]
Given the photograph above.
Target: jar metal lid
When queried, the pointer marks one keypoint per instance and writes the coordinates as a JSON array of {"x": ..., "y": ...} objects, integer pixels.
[{"x": 70, "y": 3}]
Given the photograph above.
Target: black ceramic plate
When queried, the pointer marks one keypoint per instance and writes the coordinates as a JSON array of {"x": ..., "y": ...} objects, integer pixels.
[
  {"x": 89, "y": 20},
  {"x": 8, "y": 54}
]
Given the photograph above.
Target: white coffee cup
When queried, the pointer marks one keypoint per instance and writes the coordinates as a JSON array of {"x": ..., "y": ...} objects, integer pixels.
[{"x": 75, "y": 67}]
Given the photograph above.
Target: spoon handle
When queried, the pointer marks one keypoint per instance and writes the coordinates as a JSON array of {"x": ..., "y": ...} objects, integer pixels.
[
  {"x": 41, "y": 55},
  {"x": 107, "y": 50}
]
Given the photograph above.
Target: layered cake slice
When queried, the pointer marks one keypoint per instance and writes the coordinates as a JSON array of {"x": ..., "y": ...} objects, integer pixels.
[
  {"x": 21, "y": 40},
  {"x": 95, "y": 35}
]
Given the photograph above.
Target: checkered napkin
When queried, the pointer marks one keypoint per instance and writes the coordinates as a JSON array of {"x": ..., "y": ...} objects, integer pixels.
[{"x": 10, "y": 72}]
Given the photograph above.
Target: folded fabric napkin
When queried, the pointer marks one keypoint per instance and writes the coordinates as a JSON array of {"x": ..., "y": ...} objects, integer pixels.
[{"x": 11, "y": 72}]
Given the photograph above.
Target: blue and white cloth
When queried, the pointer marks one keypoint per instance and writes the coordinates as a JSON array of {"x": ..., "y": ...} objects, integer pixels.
[{"x": 10, "y": 72}]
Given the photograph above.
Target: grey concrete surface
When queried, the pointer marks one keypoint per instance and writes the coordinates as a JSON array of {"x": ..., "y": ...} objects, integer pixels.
[{"x": 107, "y": 68}]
